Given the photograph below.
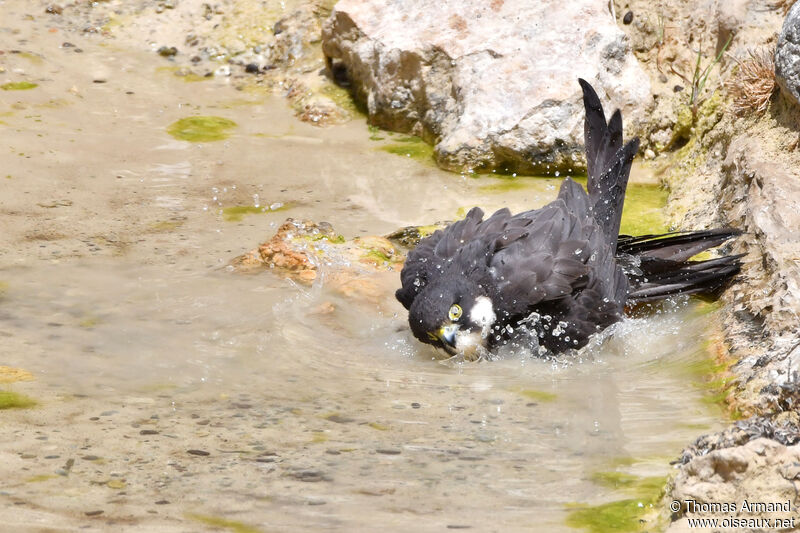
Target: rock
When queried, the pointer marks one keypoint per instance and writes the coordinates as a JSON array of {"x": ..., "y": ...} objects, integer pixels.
[
  {"x": 762, "y": 471},
  {"x": 167, "y": 51},
  {"x": 492, "y": 85},
  {"x": 787, "y": 55},
  {"x": 628, "y": 18},
  {"x": 301, "y": 249},
  {"x": 294, "y": 35}
]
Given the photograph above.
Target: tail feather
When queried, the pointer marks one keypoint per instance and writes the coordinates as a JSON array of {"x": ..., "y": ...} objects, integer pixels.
[
  {"x": 692, "y": 278},
  {"x": 658, "y": 266},
  {"x": 608, "y": 162},
  {"x": 677, "y": 246}
]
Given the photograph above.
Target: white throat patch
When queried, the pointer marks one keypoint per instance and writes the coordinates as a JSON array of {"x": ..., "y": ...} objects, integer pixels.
[{"x": 482, "y": 314}]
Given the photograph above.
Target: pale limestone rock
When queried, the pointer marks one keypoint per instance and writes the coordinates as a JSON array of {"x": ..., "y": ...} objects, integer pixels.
[
  {"x": 491, "y": 84},
  {"x": 762, "y": 471},
  {"x": 787, "y": 55}
]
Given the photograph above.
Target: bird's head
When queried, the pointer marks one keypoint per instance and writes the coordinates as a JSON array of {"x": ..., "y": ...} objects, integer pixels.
[{"x": 455, "y": 315}]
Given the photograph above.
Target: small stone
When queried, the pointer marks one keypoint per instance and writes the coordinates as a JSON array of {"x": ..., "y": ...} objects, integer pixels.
[
  {"x": 677, "y": 88},
  {"x": 162, "y": 502},
  {"x": 415, "y": 405},
  {"x": 167, "y": 51},
  {"x": 148, "y": 432},
  {"x": 251, "y": 68},
  {"x": 389, "y": 451},
  {"x": 649, "y": 154},
  {"x": 54, "y": 9},
  {"x": 201, "y": 453},
  {"x": 309, "y": 476},
  {"x": 628, "y": 18},
  {"x": 93, "y": 513}
]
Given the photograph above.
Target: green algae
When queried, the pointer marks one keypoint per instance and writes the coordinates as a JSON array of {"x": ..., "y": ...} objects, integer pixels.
[
  {"x": 410, "y": 236},
  {"x": 643, "y": 212},
  {"x": 41, "y": 477},
  {"x": 33, "y": 58},
  {"x": 623, "y": 515},
  {"x": 341, "y": 97},
  {"x": 336, "y": 239},
  {"x": 223, "y": 523},
  {"x": 378, "y": 256},
  {"x": 617, "y": 516},
  {"x": 375, "y": 133},
  {"x": 319, "y": 437},
  {"x": 537, "y": 395},
  {"x": 507, "y": 185},
  {"x": 201, "y": 128},
  {"x": 412, "y": 147},
  {"x": 89, "y": 322},
  {"x": 236, "y": 213},
  {"x": 18, "y": 86},
  {"x": 15, "y": 400},
  {"x": 165, "y": 226}
]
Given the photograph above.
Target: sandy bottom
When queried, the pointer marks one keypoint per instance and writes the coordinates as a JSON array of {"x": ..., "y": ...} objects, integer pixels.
[{"x": 173, "y": 395}]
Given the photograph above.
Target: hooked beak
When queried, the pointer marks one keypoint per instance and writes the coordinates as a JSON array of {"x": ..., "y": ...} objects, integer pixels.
[{"x": 447, "y": 335}]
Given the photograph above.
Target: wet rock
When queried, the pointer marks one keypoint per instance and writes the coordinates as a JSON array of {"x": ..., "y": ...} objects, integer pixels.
[
  {"x": 628, "y": 18},
  {"x": 493, "y": 85},
  {"x": 787, "y": 55},
  {"x": 389, "y": 451},
  {"x": 200, "y": 453},
  {"x": 300, "y": 249},
  {"x": 167, "y": 51},
  {"x": 309, "y": 476}
]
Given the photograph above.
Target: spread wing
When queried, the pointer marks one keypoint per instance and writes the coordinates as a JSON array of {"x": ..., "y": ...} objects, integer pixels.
[
  {"x": 552, "y": 261},
  {"x": 564, "y": 268}
]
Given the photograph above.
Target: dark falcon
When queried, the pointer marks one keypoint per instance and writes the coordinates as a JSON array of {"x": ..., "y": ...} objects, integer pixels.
[{"x": 562, "y": 272}]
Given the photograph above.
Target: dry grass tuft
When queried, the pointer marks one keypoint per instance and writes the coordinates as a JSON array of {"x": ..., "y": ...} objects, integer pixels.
[
  {"x": 782, "y": 5},
  {"x": 754, "y": 82}
]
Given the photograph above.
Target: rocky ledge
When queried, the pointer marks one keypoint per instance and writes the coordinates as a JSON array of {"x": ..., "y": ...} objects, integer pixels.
[{"x": 493, "y": 85}]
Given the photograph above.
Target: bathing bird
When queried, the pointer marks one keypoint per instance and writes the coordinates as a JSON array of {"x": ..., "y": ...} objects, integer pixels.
[{"x": 560, "y": 273}]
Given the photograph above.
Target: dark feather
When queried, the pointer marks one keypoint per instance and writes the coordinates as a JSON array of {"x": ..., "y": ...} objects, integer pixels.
[{"x": 562, "y": 268}]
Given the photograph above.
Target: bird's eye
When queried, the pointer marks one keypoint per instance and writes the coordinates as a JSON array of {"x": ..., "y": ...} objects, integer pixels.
[{"x": 455, "y": 312}]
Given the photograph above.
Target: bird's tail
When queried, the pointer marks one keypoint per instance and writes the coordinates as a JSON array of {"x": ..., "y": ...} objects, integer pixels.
[
  {"x": 608, "y": 162},
  {"x": 658, "y": 266}
]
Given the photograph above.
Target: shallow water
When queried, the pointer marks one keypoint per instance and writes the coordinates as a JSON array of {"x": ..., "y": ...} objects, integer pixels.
[{"x": 315, "y": 410}]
